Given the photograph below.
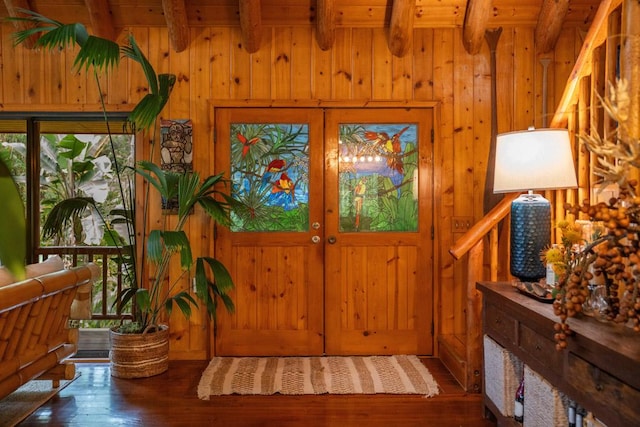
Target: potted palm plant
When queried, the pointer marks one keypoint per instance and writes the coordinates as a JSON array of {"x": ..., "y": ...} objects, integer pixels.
[{"x": 154, "y": 299}]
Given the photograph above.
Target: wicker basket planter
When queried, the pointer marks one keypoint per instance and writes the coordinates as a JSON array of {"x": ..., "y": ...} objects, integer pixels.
[{"x": 139, "y": 355}]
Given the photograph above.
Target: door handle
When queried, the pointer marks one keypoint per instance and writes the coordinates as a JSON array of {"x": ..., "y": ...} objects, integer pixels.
[
  {"x": 331, "y": 240},
  {"x": 315, "y": 239}
]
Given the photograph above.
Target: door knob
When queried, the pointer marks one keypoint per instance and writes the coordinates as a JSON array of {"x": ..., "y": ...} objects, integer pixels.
[
  {"x": 331, "y": 240},
  {"x": 315, "y": 239}
]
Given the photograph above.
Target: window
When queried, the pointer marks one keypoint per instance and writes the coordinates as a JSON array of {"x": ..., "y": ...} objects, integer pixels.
[{"x": 59, "y": 159}]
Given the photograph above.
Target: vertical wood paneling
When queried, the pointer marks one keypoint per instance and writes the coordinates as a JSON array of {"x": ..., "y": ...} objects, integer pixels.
[
  {"x": 299, "y": 318},
  {"x": 443, "y": 75},
  {"x": 505, "y": 63},
  {"x": 564, "y": 58},
  {"x": 118, "y": 81},
  {"x": 301, "y": 63},
  {"x": 402, "y": 77},
  {"x": 377, "y": 282},
  {"x": 200, "y": 87},
  {"x": 463, "y": 158},
  {"x": 219, "y": 63},
  {"x": 201, "y": 228},
  {"x": 281, "y": 78},
  {"x": 240, "y": 68},
  {"x": 355, "y": 315},
  {"x": 523, "y": 77},
  {"x": 382, "y": 66},
  {"x": 266, "y": 258},
  {"x": 76, "y": 82},
  {"x": 362, "y": 60},
  {"x": 137, "y": 84},
  {"x": 342, "y": 73},
  {"x": 180, "y": 109},
  {"x": 321, "y": 74},
  {"x": 481, "y": 122},
  {"x": 57, "y": 76},
  {"x": 34, "y": 86},
  {"x": 245, "y": 316},
  {"x": 261, "y": 67},
  {"x": 423, "y": 65},
  {"x": 402, "y": 289}
]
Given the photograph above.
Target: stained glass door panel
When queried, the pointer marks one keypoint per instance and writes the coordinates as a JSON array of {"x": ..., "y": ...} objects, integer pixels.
[
  {"x": 378, "y": 177},
  {"x": 270, "y": 176}
]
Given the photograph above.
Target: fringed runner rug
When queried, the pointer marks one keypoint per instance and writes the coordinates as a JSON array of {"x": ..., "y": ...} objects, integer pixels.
[{"x": 316, "y": 375}]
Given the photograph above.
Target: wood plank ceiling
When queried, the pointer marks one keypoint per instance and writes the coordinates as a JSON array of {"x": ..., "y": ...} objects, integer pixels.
[{"x": 399, "y": 16}]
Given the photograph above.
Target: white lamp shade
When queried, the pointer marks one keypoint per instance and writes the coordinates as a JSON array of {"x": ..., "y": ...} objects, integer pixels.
[{"x": 536, "y": 159}]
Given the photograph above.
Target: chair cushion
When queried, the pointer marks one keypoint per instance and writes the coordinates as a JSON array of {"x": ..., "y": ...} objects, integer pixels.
[{"x": 51, "y": 264}]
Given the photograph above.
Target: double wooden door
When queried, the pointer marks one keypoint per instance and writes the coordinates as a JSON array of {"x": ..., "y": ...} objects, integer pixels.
[{"x": 331, "y": 244}]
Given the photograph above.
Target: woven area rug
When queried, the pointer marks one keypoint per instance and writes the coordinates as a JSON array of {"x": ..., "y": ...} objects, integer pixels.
[
  {"x": 24, "y": 401},
  {"x": 316, "y": 375}
]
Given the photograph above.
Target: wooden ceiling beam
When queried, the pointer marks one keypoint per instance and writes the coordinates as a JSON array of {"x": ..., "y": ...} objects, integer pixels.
[
  {"x": 101, "y": 19},
  {"x": 251, "y": 24},
  {"x": 401, "y": 26},
  {"x": 175, "y": 14},
  {"x": 13, "y": 7},
  {"x": 325, "y": 23},
  {"x": 550, "y": 20},
  {"x": 476, "y": 18},
  {"x": 582, "y": 67}
]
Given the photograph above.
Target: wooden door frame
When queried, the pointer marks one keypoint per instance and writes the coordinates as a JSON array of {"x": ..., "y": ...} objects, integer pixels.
[{"x": 437, "y": 160}]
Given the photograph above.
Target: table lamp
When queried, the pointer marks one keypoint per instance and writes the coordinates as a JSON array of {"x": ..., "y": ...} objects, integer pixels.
[{"x": 535, "y": 159}]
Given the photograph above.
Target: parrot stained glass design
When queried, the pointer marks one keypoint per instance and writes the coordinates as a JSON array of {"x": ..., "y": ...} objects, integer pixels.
[
  {"x": 269, "y": 176},
  {"x": 378, "y": 177}
]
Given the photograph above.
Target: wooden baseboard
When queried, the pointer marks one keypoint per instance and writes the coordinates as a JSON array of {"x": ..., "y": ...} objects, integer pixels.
[{"x": 452, "y": 353}]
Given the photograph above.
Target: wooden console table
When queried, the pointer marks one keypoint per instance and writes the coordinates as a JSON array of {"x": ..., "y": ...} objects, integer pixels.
[{"x": 599, "y": 369}]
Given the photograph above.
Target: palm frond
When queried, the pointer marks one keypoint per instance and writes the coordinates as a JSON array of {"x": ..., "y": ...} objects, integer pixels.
[
  {"x": 228, "y": 303},
  {"x": 133, "y": 52},
  {"x": 187, "y": 193},
  {"x": 221, "y": 276},
  {"x": 142, "y": 299},
  {"x": 147, "y": 110},
  {"x": 153, "y": 174},
  {"x": 184, "y": 301},
  {"x": 98, "y": 53},
  {"x": 63, "y": 213},
  {"x": 178, "y": 241},
  {"x": 215, "y": 210},
  {"x": 155, "y": 246},
  {"x": 124, "y": 297}
]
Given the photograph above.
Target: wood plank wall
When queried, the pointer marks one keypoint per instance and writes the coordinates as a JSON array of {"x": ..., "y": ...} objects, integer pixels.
[{"x": 290, "y": 66}]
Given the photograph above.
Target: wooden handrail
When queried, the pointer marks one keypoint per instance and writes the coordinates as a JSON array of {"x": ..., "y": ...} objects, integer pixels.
[{"x": 482, "y": 227}]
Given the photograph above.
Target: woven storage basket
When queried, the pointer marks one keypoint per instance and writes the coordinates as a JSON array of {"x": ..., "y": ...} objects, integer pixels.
[
  {"x": 544, "y": 405},
  {"x": 139, "y": 355},
  {"x": 502, "y": 373}
]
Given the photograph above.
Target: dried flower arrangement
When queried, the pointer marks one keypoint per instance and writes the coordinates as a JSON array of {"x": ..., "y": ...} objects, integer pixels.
[{"x": 613, "y": 258}]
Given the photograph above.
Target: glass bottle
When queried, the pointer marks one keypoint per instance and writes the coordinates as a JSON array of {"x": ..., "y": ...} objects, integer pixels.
[
  {"x": 518, "y": 413},
  {"x": 572, "y": 414}
]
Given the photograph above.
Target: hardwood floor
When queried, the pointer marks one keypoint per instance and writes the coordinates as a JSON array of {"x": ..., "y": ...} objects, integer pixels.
[{"x": 97, "y": 399}]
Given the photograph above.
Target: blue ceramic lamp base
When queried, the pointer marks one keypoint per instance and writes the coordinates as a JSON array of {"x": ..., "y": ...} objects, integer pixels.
[{"x": 530, "y": 235}]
